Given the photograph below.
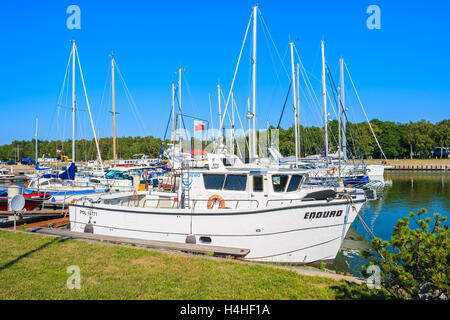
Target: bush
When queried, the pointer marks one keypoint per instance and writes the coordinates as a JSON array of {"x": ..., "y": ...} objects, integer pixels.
[{"x": 415, "y": 264}]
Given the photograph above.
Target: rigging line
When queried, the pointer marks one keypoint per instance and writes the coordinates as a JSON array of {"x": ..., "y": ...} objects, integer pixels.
[
  {"x": 133, "y": 108},
  {"x": 265, "y": 26},
  {"x": 90, "y": 116},
  {"x": 100, "y": 110},
  {"x": 309, "y": 86},
  {"x": 210, "y": 111},
  {"x": 284, "y": 105},
  {"x": 190, "y": 93},
  {"x": 65, "y": 77},
  {"x": 306, "y": 130},
  {"x": 357, "y": 95},
  {"x": 332, "y": 105},
  {"x": 164, "y": 140},
  {"x": 277, "y": 73},
  {"x": 61, "y": 94},
  {"x": 133, "y": 104},
  {"x": 242, "y": 126},
  {"x": 183, "y": 122},
  {"x": 312, "y": 95},
  {"x": 279, "y": 82},
  {"x": 229, "y": 118},
  {"x": 333, "y": 87},
  {"x": 235, "y": 71}
]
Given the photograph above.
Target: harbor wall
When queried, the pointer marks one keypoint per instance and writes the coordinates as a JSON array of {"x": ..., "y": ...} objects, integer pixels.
[{"x": 413, "y": 164}]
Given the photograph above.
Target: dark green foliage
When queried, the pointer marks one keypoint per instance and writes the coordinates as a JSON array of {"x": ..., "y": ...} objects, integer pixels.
[
  {"x": 85, "y": 149},
  {"x": 415, "y": 263},
  {"x": 397, "y": 140}
]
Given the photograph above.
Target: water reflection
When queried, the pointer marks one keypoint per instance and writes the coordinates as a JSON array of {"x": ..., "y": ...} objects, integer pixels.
[{"x": 404, "y": 191}]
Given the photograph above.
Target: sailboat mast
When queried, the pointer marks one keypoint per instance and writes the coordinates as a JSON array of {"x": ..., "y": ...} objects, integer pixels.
[
  {"x": 324, "y": 102},
  {"x": 173, "y": 114},
  {"x": 253, "y": 146},
  {"x": 113, "y": 110},
  {"x": 179, "y": 86},
  {"x": 343, "y": 122},
  {"x": 294, "y": 94},
  {"x": 232, "y": 123},
  {"x": 298, "y": 111},
  {"x": 36, "y": 147},
  {"x": 73, "y": 100},
  {"x": 220, "y": 108}
]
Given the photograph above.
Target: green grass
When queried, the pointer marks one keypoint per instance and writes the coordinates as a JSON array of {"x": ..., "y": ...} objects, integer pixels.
[{"x": 34, "y": 267}]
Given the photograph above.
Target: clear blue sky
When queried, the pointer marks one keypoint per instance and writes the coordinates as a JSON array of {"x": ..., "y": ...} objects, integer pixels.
[{"x": 401, "y": 71}]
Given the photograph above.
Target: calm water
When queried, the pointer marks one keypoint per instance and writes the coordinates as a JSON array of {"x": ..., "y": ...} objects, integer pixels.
[{"x": 405, "y": 191}]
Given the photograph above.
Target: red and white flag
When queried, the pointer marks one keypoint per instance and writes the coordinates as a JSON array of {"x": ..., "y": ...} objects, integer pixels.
[{"x": 199, "y": 126}]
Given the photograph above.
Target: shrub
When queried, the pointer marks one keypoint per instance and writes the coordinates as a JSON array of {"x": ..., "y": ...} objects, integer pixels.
[{"x": 414, "y": 264}]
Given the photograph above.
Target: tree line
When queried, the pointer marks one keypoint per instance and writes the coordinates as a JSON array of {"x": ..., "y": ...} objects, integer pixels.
[{"x": 398, "y": 140}]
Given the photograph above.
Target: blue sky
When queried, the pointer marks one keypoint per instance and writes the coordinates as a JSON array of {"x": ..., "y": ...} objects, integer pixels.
[{"x": 401, "y": 71}]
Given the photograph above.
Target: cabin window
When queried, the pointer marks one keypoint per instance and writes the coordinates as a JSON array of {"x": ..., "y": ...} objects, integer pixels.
[
  {"x": 226, "y": 162},
  {"x": 294, "y": 183},
  {"x": 258, "y": 184},
  {"x": 236, "y": 182},
  {"x": 213, "y": 181},
  {"x": 279, "y": 182}
]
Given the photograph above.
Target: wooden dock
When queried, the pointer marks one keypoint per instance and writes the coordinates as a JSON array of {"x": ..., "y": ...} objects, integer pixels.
[
  {"x": 39, "y": 218},
  {"x": 150, "y": 244}
]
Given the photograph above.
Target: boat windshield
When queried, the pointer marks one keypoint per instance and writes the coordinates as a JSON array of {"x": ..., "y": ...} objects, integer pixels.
[{"x": 116, "y": 174}]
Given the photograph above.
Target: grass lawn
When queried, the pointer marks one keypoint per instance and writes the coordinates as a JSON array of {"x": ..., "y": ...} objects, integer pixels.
[{"x": 34, "y": 267}]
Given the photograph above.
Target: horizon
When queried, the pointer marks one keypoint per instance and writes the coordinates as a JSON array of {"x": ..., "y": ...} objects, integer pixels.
[{"x": 398, "y": 70}]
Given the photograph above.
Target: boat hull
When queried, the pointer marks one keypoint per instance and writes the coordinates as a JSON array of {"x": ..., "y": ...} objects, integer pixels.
[
  {"x": 293, "y": 234},
  {"x": 69, "y": 195}
]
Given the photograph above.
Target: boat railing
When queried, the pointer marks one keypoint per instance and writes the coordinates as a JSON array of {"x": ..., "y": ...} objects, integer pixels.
[
  {"x": 194, "y": 201},
  {"x": 289, "y": 200}
]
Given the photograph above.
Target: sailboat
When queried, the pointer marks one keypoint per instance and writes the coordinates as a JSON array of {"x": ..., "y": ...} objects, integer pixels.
[{"x": 62, "y": 185}]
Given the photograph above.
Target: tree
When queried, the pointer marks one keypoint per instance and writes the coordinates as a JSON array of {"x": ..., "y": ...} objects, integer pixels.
[
  {"x": 414, "y": 264},
  {"x": 441, "y": 134}
]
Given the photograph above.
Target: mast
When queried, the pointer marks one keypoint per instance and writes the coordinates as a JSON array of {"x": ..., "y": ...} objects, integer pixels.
[
  {"x": 343, "y": 124},
  {"x": 220, "y": 108},
  {"x": 324, "y": 93},
  {"x": 113, "y": 109},
  {"x": 179, "y": 86},
  {"x": 249, "y": 117},
  {"x": 253, "y": 146},
  {"x": 173, "y": 114},
  {"x": 73, "y": 100},
  {"x": 36, "y": 147},
  {"x": 298, "y": 111},
  {"x": 232, "y": 123},
  {"x": 294, "y": 94}
]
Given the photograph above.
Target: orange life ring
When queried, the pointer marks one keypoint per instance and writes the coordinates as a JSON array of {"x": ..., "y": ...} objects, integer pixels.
[
  {"x": 213, "y": 199},
  {"x": 26, "y": 184},
  {"x": 332, "y": 171}
]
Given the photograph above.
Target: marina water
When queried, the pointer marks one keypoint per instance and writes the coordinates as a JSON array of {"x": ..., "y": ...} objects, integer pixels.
[{"x": 404, "y": 192}]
